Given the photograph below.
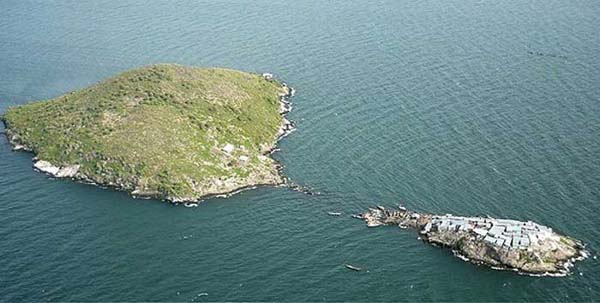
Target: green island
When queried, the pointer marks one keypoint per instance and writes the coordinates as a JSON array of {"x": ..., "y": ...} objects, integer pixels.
[{"x": 163, "y": 131}]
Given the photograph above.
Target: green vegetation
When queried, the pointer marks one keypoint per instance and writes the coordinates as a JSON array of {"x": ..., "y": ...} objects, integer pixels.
[
  {"x": 460, "y": 244},
  {"x": 565, "y": 240},
  {"x": 160, "y": 130},
  {"x": 525, "y": 257}
]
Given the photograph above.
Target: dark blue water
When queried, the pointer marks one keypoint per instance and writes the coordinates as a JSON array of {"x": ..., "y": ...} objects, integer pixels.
[{"x": 468, "y": 107}]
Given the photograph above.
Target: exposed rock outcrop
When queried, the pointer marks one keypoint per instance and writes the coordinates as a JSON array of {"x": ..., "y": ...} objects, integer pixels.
[{"x": 525, "y": 247}]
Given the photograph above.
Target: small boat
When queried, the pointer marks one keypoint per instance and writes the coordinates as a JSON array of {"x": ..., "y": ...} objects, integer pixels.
[
  {"x": 381, "y": 207},
  {"x": 401, "y": 207},
  {"x": 348, "y": 266},
  {"x": 331, "y": 213},
  {"x": 357, "y": 216},
  {"x": 402, "y": 225}
]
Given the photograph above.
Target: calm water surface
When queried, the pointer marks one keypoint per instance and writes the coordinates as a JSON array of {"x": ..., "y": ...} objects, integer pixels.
[{"x": 438, "y": 103}]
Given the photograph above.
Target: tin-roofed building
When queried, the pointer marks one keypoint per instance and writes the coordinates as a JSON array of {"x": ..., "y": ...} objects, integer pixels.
[
  {"x": 480, "y": 231},
  {"x": 489, "y": 239},
  {"x": 497, "y": 230},
  {"x": 510, "y": 234},
  {"x": 513, "y": 229},
  {"x": 524, "y": 242}
]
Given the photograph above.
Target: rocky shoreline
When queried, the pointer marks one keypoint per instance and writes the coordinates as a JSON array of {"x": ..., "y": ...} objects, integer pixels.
[
  {"x": 72, "y": 171},
  {"x": 524, "y": 247}
]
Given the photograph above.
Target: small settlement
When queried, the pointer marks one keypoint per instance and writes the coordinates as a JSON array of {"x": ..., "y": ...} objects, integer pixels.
[
  {"x": 526, "y": 247},
  {"x": 511, "y": 234}
]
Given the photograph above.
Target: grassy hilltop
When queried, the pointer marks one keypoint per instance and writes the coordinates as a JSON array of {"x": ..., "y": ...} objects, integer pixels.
[{"x": 160, "y": 130}]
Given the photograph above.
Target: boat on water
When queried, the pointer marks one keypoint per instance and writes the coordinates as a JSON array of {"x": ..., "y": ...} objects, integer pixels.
[
  {"x": 351, "y": 267},
  {"x": 357, "y": 216},
  {"x": 331, "y": 213}
]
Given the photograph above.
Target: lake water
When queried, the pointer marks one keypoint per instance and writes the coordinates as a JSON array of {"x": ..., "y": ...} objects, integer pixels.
[{"x": 464, "y": 107}]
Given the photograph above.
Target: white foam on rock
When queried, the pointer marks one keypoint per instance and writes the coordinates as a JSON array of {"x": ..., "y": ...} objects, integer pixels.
[{"x": 19, "y": 147}]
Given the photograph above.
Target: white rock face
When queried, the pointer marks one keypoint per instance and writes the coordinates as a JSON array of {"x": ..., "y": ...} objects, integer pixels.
[
  {"x": 46, "y": 167},
  {"x": 59, "y": 172},
  {"x": 68, "y": 171}
]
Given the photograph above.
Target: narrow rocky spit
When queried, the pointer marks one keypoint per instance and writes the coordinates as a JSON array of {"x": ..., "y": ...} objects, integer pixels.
[{"x": 524, "y": 247}]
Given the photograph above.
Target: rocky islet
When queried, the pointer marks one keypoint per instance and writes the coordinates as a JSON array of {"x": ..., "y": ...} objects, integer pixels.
[{"x": 525, "y": 247}]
